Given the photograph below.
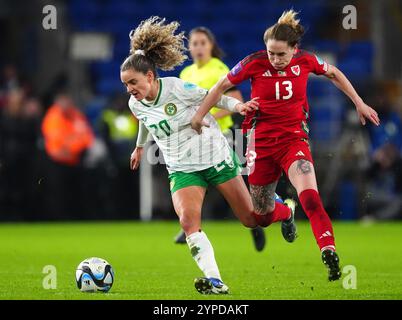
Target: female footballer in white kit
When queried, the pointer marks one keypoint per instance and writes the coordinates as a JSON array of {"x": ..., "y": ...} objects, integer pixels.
[{"x": 164, "y": 107}]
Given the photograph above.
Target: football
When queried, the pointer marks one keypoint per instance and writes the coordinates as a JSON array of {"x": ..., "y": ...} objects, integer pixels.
[{"x": 94, "y": 274}]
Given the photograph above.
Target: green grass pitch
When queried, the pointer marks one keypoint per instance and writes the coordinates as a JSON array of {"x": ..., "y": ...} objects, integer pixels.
[{"x": 148, "y": 265}]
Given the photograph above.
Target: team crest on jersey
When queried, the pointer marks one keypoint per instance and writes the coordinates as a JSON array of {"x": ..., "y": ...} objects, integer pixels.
[
  {"x": 296, "y": 70},
  {"x": 170, "y": 109}
]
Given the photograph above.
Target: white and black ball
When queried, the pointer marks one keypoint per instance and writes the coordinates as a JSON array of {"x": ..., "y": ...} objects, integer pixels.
[{"x": 94, "y": 274}]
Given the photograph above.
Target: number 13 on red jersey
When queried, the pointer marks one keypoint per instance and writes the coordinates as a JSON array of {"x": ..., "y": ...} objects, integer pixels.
[{"x": 287, "y": 86}]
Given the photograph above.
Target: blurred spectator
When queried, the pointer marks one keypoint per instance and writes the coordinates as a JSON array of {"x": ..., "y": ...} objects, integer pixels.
[
  {"x": 10, "y": 80},
  {"x": 19, "y": 132},
  {"x": 385, "y": 171},
  {"x": 66, "y": 131},
  {"x": 67, "y": 136},
  {"x": 119, "y": 128}
]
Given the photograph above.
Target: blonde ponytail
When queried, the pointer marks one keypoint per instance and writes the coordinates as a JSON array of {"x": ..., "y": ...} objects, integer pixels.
[
  {"x": 289, "y": 18},
  {"x": 159, "y": 42},
  {"x": 154, "y": 45},
  {"x": 286, "y": 29}
]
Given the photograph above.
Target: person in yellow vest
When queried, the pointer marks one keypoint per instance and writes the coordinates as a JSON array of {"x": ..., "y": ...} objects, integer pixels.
[
  {"x": 207, "y": 70},
  {"x": 119, "y": 129}
]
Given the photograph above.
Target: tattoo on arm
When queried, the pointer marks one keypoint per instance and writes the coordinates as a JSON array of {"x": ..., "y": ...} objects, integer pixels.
[
  {"x": 263, "y": 197},
  {"x": 303, "y": 166}
]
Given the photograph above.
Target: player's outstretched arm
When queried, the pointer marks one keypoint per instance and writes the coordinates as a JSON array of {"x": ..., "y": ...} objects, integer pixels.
[
  {"x": 211, "y": 99},
  {"x": 215, "y": 97},
  {"x": 234, "y": 105},
  {"x": 234, "y": 93},
  {"x": 363, "y": 110}
]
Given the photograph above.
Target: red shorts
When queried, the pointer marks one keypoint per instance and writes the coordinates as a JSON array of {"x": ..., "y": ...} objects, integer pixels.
[{"x": 267, "y": 158}]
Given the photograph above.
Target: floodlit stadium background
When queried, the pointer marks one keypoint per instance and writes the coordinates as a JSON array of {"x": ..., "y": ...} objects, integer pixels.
[{"x": 82, "y": 57}]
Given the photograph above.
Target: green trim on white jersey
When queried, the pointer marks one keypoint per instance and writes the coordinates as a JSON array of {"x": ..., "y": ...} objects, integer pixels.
[{"x": 157, "y": 97}]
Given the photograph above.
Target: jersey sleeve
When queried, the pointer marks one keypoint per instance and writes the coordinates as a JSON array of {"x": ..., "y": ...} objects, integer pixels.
[
  {"x": 190, "y": 93},
  {"x": 131, "y": 105},
  {"x": 317, "y": 64},
  {"x": 142, "y": 136},
  {"x": 239, "y": 72}
]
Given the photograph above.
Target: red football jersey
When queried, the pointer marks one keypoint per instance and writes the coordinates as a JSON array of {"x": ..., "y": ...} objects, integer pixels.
[{"x": 283, "y": 98}]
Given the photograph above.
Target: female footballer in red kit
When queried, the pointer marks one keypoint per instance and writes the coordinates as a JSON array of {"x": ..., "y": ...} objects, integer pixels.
[{"x": 279, "y": 130}]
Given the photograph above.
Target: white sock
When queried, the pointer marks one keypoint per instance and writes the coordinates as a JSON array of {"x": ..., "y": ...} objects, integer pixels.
[{"x": 203, "y": 254}]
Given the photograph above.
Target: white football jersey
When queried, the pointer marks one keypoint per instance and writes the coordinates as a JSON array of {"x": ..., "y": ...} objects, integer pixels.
[{"x": 168, "y": 120}]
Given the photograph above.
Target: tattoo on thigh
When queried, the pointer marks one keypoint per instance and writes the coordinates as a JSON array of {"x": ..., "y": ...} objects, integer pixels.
[
  {"x": 303, "y": 166},
  {"x": 263, "y": 197}
]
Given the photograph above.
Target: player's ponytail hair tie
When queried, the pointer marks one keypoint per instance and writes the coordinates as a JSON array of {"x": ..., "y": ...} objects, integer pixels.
[{"x": 139, "y": 52}]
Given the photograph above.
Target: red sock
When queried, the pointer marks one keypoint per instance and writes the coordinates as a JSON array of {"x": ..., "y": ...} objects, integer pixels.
[
  {"x": 319, "y": 220},
  {"x": 281, "y": 212}
]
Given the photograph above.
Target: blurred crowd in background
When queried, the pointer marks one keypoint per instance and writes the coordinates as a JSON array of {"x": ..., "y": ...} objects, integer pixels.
[
  {"x": 55, "y": 164},
  {"x": 65, "y": 142}
]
